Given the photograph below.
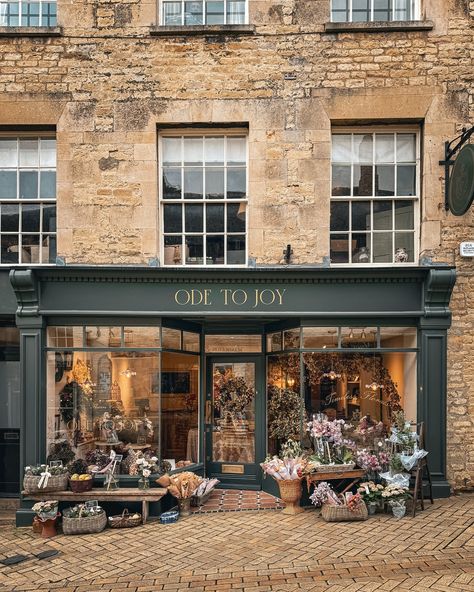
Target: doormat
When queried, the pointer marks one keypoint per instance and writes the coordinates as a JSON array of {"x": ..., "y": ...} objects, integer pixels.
[{"x": 234, "y": 500}]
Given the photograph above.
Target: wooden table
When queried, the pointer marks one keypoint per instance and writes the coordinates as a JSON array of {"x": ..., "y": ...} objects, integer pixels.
[
  {"x": 127, "y": 494},
  {"x": 355, "y": 475}
]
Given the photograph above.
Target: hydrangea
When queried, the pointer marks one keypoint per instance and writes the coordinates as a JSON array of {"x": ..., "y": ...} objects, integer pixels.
[{"x": 321, "y": 494}]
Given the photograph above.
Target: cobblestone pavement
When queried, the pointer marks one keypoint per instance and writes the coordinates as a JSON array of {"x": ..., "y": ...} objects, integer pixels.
[{"x": 261, "y": 550}]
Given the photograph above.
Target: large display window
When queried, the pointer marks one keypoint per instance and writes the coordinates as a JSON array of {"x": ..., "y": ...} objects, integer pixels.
[{"x": 116, "y": 388}]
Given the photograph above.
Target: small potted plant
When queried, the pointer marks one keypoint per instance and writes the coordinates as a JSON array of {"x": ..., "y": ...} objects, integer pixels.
[
  {"x": 46, "y": 513},
  {"x": 371, "y": 493},
  {"x": 287, "y": 469},
  {"x": 396, "y": 496}
]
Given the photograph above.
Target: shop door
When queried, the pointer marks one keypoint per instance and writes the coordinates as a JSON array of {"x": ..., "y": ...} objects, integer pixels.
[{"x": 234, "y": 420}]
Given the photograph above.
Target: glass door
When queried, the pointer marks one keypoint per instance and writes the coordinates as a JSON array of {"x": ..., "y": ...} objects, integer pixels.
[{"x": 234, "y": 419}]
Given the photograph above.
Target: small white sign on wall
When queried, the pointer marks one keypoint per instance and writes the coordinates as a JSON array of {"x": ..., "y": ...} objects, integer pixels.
[{"x": 466, "y": 249}]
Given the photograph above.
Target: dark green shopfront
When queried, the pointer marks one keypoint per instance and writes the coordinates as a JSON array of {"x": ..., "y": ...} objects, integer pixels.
[{"x": 206, "y": 369}]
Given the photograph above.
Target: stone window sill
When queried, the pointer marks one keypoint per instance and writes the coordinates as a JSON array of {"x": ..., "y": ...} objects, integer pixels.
[
  {"x": 31, "y": 31},
  {"x": 203, "y": 30},
  {"x": 378, "y": 27}
]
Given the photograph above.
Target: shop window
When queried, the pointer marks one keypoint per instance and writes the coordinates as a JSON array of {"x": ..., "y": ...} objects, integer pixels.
[
  {"x": 320, "y": 337},
  {"x": 28, "y": 13},
  {"x": 203, "y": 192},
  {"x": 374, "y": 198},
  {"x": 353, "y": 11},
  {"x": 27, "y": 200},
  {"x": 203, "y": 12}
]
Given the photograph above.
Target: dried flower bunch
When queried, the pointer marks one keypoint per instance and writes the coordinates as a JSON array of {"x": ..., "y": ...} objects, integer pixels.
[
  {"x": 285, "y": 410},
  {"x": 48, "y": 507},
  {"x": 205, "y": 487},
  {"x": 289, "y": 465},
  {"x": 180, "y": 485},
  {"x": 232, "y": 394},
  {"x": 82, "y": 511},
  {"x": 37, "y": 470}
]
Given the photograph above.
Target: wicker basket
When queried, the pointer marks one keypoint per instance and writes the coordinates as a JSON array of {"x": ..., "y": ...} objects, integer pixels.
[
  {"x": 343, "y": 514},
  {"x": 334, "y": 468},
  {"x": 81, "y": 486},
  {"x": 55, "y": 483},
  {"x": 124, "y": 520},
  {"x": 84, "y": 525}
]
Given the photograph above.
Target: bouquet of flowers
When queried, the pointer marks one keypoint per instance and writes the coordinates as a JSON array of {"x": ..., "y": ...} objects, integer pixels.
[
  {"x": 46, "y": 510},
  {"x": 370, "y": 491},
  {"x": 289, "y": 465},
  {"x": 324, "y": 494},
  {"x": 147, "y": 466},
  {"x": 395, "y": 493},
  {"x": 180, "y": 485},
  {"x": 372, "y": 462},
  {"x": 322, "y": 428}
]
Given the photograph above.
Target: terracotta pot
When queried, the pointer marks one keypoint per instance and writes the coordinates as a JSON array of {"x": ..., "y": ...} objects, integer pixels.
[
  {"x": 290, "y": 494},
  {"x": 49, "y": 528}
]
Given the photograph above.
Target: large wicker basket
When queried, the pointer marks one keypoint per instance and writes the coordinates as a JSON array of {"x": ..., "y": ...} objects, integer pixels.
[
  {"x": 124, "y": 520},
  {"x": 85, "y": 525},
  {"x": 343, "y": 514},
  {"x": 55, "y": 483}
]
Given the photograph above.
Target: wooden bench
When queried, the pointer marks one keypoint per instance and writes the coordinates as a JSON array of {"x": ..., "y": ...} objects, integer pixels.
[
  {"x": 145, "y": 496},
  {"x": 354, "y": 475}
]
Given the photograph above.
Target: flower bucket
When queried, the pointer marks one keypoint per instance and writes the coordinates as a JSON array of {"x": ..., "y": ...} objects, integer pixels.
[
  {"x": 399, "y": 511},
  {"x": 184, "y": 506},
  {"x": 371, "y": 508},
  {"x": 290, "y": 494}
]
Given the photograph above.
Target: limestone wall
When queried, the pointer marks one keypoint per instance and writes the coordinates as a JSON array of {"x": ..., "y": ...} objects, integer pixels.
[{"x": 107, "y": 85}]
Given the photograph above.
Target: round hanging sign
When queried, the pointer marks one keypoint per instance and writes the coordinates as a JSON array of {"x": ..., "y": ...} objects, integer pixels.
[{"x": 461, "y": 183}]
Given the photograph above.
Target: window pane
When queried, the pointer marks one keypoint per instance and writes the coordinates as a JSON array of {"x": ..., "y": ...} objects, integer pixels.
[
  {"x": 171, "y": 338},
  {"x": 30, "y": 219},
  {"x": 190, "y": 341},
  {"x": 406, "y": 180},
  {"x": 361, "y": 215},
  {"x": 384, "y": 180},
  {"x": 214, "y": 13},
  {"x": 233, "y": 343},
  {"x": 361, "y": 248},
  {"x": 28, "y": 184},
  {"x": 172, "y": 13},
  {"x": 274, "y": 341},
  {"x": 30, "y": 251},
  {"x": 194, "y": 250},
  {"x": 193, "y": 151},
  {"x": 10, "y": 218},
  {"x": 48, "y": 249},
  {"x": 141, "y": 336},
  {"x": 363, "y": 180},
  {"x": 9, "y": 248},
  {"x": 236, "y": 183},
  {"x": 215, "y": 218},
  {"x": 193, "y": 183},
  {"x": 47, "y": 184},
  {"x": 215, "y": 250},
  {"x": 291, "y": 339},
  {"x": 404, "y": 247},
  {"x": 28, "y": 153},
  {"x": 8, "y": 184},
  {"x": 320, "y": 337},
  {"x": 235, "y": 12},
  {"x": 339, "y": 248},
  {"x": 384, "y": 147},
  {"x": 64, "y": 337},
  {"x": 49, "y": 218},
  {"x": 236, "y": 218},
  {"x": 215, "y": 183},
  {"x": 103, "y": 336},
  {"x": 406, "y": 147},
  {"x": 171, "y": 151},
  {"x": 363, "y": 148},
  {"x": 171, "y": 183},
  {"x": 341, "y": 148},
  {"x": 236, "y": 250},
  {"x": 173, "y": 250},
  {"x": 341, "y": 180},
  {"x": 193, "y": 218},
  {"x": 193, "y": 13},
  {"x": 214, "y": 151},
  {"x": 172, "y": 218},
  {"x": 340, "y": 215},
  {"x": 397, "y": 337},
  {"x": 47, "y": 152},
  {"x": 236, "y": 151},
  {"x": 8, "y": 153},
  {"x": 404, "y": 215},
  {"x": 383, "y": 247},
  {"x": 382, "y": 215}
]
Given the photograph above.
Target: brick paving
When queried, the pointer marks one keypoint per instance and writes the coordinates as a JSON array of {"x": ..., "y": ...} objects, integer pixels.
[
  {"x": 263, "y": 550},
  {"x": 232, "y": 500}
]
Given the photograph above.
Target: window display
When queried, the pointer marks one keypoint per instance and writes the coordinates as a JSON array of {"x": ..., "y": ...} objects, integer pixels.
[{"x": 140, "y": 402}]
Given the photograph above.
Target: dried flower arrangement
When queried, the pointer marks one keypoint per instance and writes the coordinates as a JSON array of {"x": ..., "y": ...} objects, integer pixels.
[
  {"x": 232, "y": 395},
  {"x": 289, "y": 465},
  {"x": 180, "y": 485},
  {"x": 285, "y": 410}
]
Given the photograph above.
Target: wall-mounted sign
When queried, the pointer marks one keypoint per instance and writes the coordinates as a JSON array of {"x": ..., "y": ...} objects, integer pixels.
[
  {"x": 461, "y": 183},
  {"x": 466, "y": 249},
  {"x": 230, "y": 297}
]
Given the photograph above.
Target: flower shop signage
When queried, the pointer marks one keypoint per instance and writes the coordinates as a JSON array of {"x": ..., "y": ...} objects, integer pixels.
[{"x": 254, "y": 298}]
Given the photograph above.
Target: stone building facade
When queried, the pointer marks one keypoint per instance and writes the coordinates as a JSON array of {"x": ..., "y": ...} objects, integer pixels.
[{"x": 109, "y": 79}]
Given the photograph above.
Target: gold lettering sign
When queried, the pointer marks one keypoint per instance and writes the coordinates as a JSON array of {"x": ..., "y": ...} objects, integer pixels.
[
  {"x": 250, "y": 298},
  {"x": 236, "y": 469}
]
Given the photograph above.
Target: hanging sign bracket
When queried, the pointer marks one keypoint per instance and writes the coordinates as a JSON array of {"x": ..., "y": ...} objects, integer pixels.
[{"x": 450, "y": 149}]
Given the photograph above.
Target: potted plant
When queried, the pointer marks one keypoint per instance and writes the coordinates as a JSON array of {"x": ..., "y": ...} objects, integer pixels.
[
  {"x": 333, "y": 451},
  {"x": 396, "y": 496},
  {"x": 47, "y": 513},
  {"x": 371, "y": 493},
  {"x": 145, "y": 467},
  {"x": 287, "y": 469}
]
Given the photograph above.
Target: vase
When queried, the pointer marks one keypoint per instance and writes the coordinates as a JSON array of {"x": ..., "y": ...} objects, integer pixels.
[
  {"x": 184, "y": 506},
  {"x": 144, "y": 483},
  {"x": 399, "y": 511},
  {"x": 49, "y": 528},
  {"x": 290, "y": 494},
  {"x": 371, "y": 507}
]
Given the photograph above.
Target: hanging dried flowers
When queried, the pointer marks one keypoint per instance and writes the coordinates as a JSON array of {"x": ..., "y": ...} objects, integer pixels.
[{"x": 232, "y": 394}]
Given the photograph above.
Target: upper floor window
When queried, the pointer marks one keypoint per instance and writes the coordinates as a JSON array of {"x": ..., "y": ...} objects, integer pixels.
[
  {"x": 28, "y": 13},
  {"x": 203, "y": 12},
  {"x": 203, "y": 193},
  {"x": 27, "y": 200},
  {"x": 374, "y": 197},
  {"x": 352, "y": 11}
]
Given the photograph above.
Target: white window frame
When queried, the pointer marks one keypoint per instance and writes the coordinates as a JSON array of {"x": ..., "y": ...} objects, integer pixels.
[
  {"x": 20, "y": 12},
  {"x": 415, "y": 5},
  {"x": 29, "y": 201},
  {"x": 212, "y": 132},
  {"x": 349, "y": 198},
  {"x": 161, "y": 4}
]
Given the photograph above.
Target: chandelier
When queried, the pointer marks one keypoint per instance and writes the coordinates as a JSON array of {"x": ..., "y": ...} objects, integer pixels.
[
  {"x": 332, "y": 375},
  {"x": 374, "y": 386}
]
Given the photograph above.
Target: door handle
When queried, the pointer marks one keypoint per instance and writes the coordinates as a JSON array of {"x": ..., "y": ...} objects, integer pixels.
[{"x": 208, "y": 412}]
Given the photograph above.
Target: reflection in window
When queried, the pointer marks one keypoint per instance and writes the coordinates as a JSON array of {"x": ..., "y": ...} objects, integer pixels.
[
  {"x": 203, "y": 12},
  {"x": 373, "y": 10}
]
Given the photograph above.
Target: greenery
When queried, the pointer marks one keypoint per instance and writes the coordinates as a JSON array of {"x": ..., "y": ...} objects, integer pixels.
[{"x": 285, "y": 413}]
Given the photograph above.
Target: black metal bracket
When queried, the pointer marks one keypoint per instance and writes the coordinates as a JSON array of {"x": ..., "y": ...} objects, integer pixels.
[{"x": 449, "y": 152}]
